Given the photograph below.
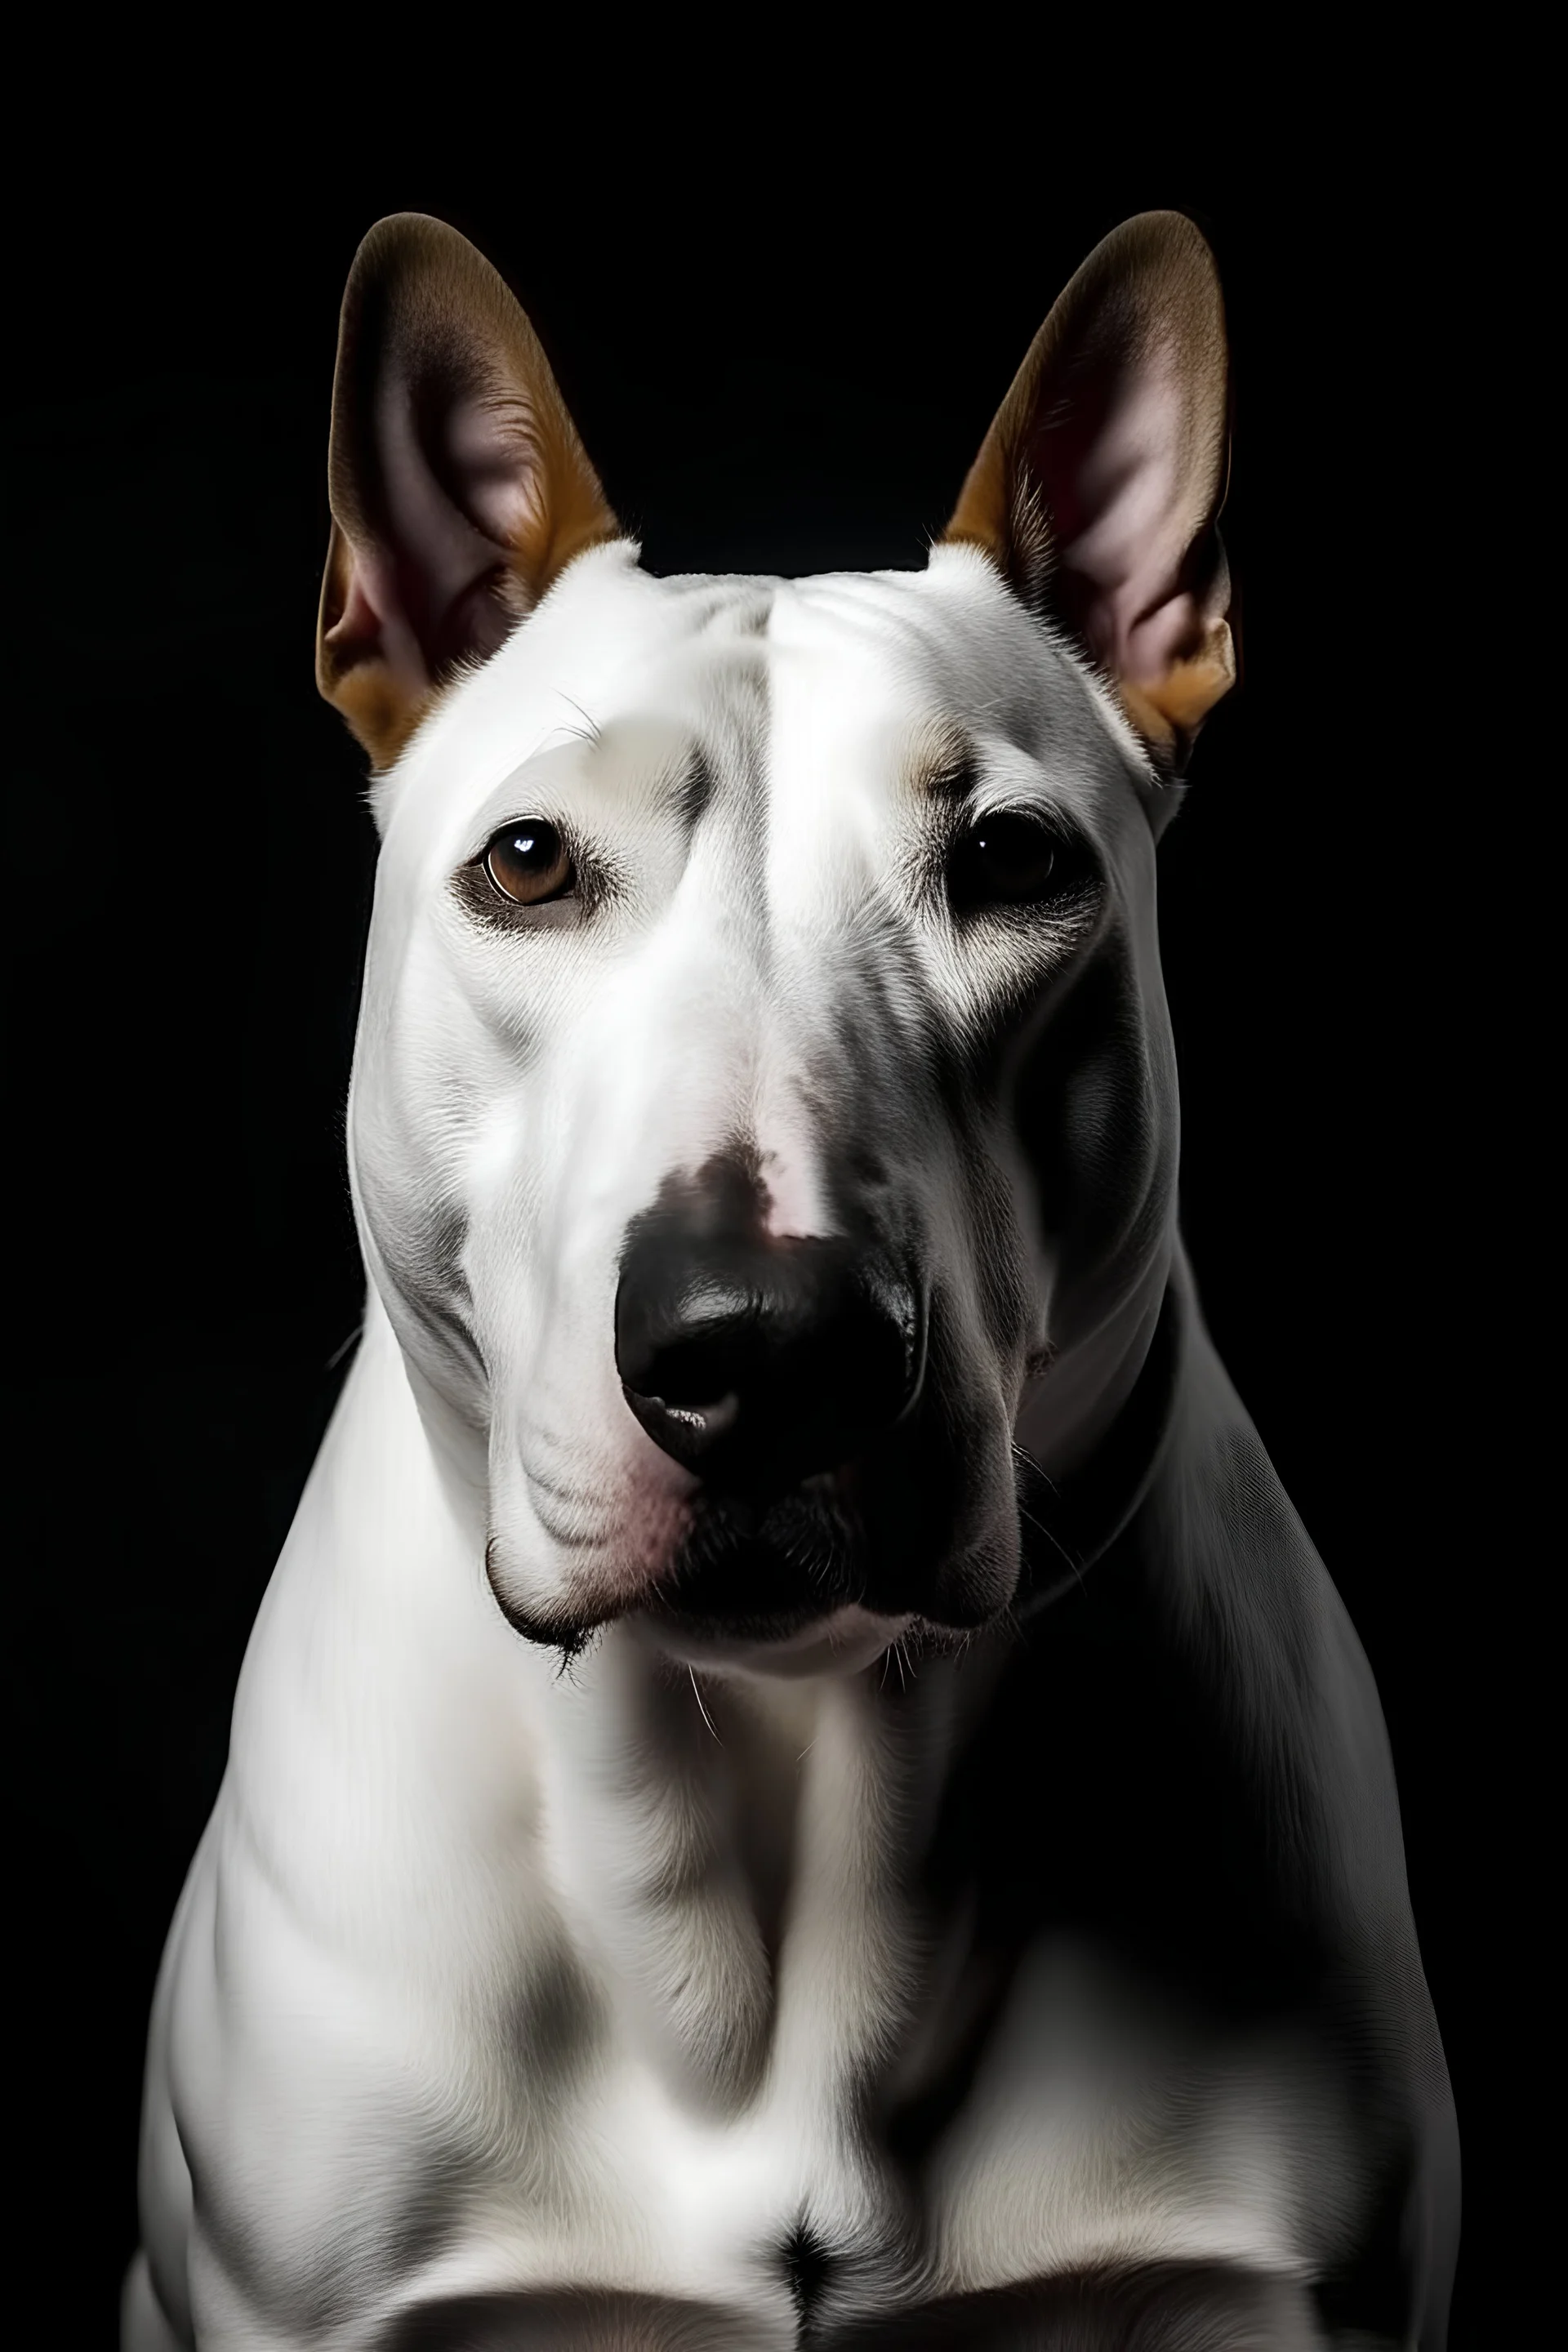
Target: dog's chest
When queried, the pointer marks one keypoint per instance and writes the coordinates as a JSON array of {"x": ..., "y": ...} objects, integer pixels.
[
  {"x": 655, "y": 2029},
  {"x": 1083, "y": 2131},
  {"x": 641, "y": 2057},
  {"x": 693, "y": 2086}
]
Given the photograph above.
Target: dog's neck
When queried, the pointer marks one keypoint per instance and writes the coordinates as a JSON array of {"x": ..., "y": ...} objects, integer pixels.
[
  {"x": 768, "y": 1827},
  {"x": 1081, "y": 1483},
  {"x": 725, "y": 1835}
]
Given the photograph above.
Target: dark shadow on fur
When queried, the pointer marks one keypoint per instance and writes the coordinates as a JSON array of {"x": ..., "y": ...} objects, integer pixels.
[
  {"x": 1166, "y": 2308},
  {"x": 567, "y": 2319}
]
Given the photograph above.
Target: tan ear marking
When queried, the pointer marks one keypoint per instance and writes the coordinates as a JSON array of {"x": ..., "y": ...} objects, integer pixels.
[
  {"x": 1169, "y": 710},
  {"x": 1098, "y": 488},
  {"x": 459, "y": 488}
]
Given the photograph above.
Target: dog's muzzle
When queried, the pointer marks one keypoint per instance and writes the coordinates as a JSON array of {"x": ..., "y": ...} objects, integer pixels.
[
  {"x": 771, "y": 1370},
  {"x": 843, "y": 1467}
]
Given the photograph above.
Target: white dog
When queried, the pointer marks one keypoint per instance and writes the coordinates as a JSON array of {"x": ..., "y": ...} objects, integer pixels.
[{"x": 799, "y": 1781}]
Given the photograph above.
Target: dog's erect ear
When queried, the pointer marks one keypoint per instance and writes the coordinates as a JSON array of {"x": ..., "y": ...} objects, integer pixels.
[
  {"x": 1098, "y": 488},
  {"x": 459, "y": 488}
]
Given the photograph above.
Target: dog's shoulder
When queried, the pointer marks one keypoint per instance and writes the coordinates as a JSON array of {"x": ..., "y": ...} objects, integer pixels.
[
  {"x": 1241, "y": 1604},
  {"x": 1249, "y": 1617}
]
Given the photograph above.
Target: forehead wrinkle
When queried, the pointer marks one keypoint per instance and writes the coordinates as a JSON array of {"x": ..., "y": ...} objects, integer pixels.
[
  {"x": 668, "y": 745},
  {"x": 721, "y": 793},
  {"x": 715, "y": 697},
  {"x": 677, "y": 684},
  {"x": 648, "y": 761},
  {"x": 993, "y": 666},
  {"x": 894, "y": 642}
]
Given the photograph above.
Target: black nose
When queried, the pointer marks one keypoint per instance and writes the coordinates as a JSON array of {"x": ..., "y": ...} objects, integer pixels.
[{"x": 757, "y": 1361}]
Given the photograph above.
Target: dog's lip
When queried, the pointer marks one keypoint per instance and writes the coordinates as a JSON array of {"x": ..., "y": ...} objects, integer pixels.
[{"x": 751, "y": 1598}]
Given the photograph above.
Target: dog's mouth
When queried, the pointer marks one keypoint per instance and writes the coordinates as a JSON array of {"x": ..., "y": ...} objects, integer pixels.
[
  {"x": 806, "y": 1583},
  {"x": 788, "y": 1588},
  {"x": 762, "y": 1570},
  {"x": 834, "y": 1571}
]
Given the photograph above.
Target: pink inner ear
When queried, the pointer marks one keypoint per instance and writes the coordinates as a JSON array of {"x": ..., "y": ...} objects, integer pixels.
[
  {"x": 491, "y": 460},
  {"x": 372, "y": 622},
  {"x": 1124, "y": 502},
  {"x": 456, "y": 488}
]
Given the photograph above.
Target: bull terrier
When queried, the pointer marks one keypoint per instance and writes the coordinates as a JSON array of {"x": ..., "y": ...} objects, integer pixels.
[{"x": 798, "y": 1782}]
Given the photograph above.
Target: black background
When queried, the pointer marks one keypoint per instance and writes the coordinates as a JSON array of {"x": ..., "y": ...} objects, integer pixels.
[{"x": 780, "y": 358}]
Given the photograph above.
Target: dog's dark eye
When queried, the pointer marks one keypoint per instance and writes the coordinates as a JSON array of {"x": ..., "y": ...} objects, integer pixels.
[
  {"x": 1009, "y": 858},
  {"x": 528, "y": 863}
]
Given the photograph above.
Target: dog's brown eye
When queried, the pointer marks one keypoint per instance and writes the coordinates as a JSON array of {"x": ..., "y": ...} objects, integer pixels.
[
  {"x": 528, "y": 862},
  {"x": 1009, "y": 858}
]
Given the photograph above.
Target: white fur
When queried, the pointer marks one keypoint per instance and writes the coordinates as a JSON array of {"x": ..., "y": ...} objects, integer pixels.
[{"x": 470, "y": 1985}]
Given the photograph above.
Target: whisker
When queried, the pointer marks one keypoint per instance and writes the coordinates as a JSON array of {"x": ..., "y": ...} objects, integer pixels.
[
  {"x": 701, "y": 1710},
  {"x": 593, "y": 734},
  {"x": 1026, "y": 1462}
]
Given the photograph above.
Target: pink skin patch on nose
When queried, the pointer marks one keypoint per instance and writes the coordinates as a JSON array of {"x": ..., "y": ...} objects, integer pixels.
[{"x": 792, "y": 1205}]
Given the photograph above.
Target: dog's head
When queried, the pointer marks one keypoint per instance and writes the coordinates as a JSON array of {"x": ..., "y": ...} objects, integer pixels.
[{"x": 763, "y": 1113}]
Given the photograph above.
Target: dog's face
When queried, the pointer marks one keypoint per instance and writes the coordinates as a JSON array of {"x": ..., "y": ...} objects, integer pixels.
[{"x": 764, "y": 1092}]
